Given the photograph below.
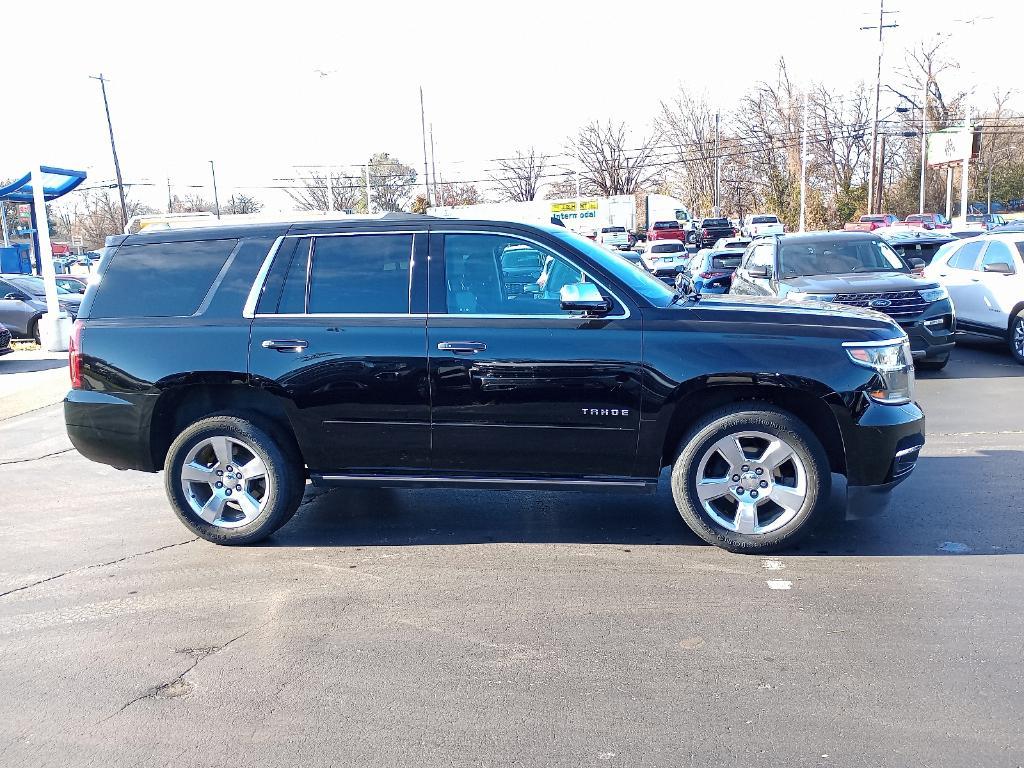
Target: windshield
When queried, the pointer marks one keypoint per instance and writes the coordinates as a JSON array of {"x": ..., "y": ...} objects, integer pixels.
[
  {"x": 827, "y": 256},
  {"x": 666, "y": 225},
  {"x": 765, "y": 220},
  {"x": 34, "y": 286},
  {"x": 641, "y": 281},
  {"x": 668, "y": 248}
]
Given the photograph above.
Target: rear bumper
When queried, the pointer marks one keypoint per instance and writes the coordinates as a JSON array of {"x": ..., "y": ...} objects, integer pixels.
[{"x": 110, "y": 429}]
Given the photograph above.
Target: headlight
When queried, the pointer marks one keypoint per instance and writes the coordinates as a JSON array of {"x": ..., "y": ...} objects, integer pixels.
[
  {"x": 934, "y": 294},
  {"x": 894, "y": 365},
  {"x": 803, "y": 296}
]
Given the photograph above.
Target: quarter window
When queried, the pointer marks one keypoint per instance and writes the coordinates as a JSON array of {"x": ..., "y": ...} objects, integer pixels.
[
  {"x": 360, "y": 274},
  {"x": 491, "y": 275}
]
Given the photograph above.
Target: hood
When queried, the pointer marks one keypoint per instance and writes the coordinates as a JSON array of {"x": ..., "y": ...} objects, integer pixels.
[
  {"x": 770, "y": 315},
  {"x": 854, "y": 282}
]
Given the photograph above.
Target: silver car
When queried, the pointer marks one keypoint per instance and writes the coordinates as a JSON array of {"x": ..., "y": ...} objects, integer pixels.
[{"x": 23, "y": 302}]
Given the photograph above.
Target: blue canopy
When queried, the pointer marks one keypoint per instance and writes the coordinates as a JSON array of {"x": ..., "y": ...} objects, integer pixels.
[{"x": 57, "y": 182}]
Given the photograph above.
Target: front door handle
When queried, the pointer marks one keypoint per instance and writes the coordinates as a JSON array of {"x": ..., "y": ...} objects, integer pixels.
[
  {"x": 286, "y": 345},
  {"x": 462, "y": 347}
]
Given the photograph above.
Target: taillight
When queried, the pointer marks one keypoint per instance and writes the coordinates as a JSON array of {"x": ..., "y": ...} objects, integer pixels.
[
  {"x": 75, "y": 355},
  {"x": 703, "y": 233},
  {"x": 709, "y": 274}
]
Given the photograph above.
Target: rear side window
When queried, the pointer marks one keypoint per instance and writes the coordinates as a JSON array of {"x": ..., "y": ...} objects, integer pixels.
[
  {"x": 160, "y": 279},
  {"x": 285, "y": 289},
  {"x": 966, "y": 256},
  {"x": 360, "y": 274}
]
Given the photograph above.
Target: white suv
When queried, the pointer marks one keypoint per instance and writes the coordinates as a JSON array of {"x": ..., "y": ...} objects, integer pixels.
[
  {"x": 985, "y": 279},
  {"x": 760, "y": 225}
]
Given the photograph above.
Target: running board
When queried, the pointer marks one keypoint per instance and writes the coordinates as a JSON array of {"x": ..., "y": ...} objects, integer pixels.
[{"x": 610, "y": 485}]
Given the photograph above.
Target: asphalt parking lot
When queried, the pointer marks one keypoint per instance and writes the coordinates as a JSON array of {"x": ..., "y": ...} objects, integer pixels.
[{"x": 387, "y": 628}]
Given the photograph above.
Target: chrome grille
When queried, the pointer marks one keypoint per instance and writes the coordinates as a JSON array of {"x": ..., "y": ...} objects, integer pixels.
[{"x": 903, "y": 305}]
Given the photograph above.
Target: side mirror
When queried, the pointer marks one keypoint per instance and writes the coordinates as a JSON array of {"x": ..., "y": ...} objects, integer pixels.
[
  {"x": 1000, "y": 268},
  {"x": 583, "y": 297},
  {"x": 13, "y": 297},
  {"x": 917, "y": 264},
  {"x": 759, "y": 272}
]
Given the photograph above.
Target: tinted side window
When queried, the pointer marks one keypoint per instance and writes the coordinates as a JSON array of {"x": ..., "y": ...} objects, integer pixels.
[
  {"x": 966, "y": 256},
  {"x": 996, "y": 253},
  {"x": 160, "y": 279},
  {"x": 360, "y": 274},
  {"x": 478, "y": 282},
  {"x": 281, "y": 293},
  {"x": 761, "y": 256}
]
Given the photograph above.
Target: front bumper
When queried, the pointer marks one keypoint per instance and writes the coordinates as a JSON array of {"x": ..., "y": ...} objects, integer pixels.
[
  {"x": 931, "y": 334},
  {"x": 883, "y": 443}
]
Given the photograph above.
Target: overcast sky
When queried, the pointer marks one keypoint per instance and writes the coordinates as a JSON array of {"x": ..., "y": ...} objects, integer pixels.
[{"x": 261, "y": 91}]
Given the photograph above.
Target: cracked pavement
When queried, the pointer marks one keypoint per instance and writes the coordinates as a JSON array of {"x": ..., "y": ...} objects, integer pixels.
[{"x": 451, "y": 628}]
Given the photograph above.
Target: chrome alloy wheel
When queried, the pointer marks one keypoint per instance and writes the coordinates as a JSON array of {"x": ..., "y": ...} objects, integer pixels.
[
  {"x": 225, "y": 482},
  {"x": 751, "y": 482}
]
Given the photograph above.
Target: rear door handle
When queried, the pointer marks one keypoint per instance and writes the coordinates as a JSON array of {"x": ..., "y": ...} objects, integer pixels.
[
  {"x": 286, "y": 345},
  {"x": 462, "y": 347}
]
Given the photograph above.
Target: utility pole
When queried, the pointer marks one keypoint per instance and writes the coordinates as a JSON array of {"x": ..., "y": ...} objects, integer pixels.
[
  {"x": 113, "y": 149},
  {"x": 718, "y": 171},
  {"x": 423, "y": 128},
  {"x": 433, "y": 164},
  {"x": 803, "y": 170},
  {"x": 880, "y": 179},
  {"x": 924, "y": 137},
  {"x": 368, "y": 207},
  {"x": 170, "y": 201},
  {"x": 881, "y": 27},
  {"x": 216, "y": 202}
]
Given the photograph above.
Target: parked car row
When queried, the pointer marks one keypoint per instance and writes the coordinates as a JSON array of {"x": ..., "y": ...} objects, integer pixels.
[{"x": 23, "y": 302}]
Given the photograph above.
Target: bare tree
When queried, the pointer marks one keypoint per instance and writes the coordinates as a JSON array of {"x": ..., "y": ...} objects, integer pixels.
[
  {"x": 453, "y": 193},
  {"x": 391, "y": 183},
  {"x": 840, "y": 149},
  {"x": 194, "y": 203},
  {"x": 608, "y": 165},
  {"x": 96, "y": 214},
  {"x": 241, "y": 204},
  {"x": 328, "y": 191},
  {"x": 687, "y": 125},
  {"x": 518, "y": 178}
]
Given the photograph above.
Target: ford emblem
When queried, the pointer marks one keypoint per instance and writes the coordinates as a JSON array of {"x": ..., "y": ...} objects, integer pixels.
[{"x": 880, "y": 303}]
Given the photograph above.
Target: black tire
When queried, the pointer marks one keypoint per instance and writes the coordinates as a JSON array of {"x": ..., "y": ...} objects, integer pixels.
[
  {"x": 750, "y": 417},
  {"x": 1017, "y": 337},
  {"x": 33, "y": 331},
  {"x": 936, "y": 364},
  {"x": 284, "y": 469}
]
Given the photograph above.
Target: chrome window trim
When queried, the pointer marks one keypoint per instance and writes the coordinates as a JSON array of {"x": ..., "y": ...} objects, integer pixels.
[
  {"x": 877, "y": 343},
  {"x": 249, "y": 309}
]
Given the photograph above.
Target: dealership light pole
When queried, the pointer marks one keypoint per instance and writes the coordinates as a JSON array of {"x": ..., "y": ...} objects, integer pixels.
[
  {"x": 216, "y": 202},
  {"x": 423, "y": 129},
  {"x": 718, "y": 172},
  {"x": 924, "y": 137},
  {"x": 113, "y": 149},
  {"x": 965, "y": 171}
]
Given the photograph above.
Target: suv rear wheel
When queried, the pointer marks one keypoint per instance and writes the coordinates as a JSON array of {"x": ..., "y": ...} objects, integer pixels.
[
  {"x": 750, "y": 478},
  {"x": 231, "y": 482}
]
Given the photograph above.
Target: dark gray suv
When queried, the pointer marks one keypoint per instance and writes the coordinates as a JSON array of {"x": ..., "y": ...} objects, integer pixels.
[
  {"x": 23, "y": 302},
  {"x": 855, "y": 269}
]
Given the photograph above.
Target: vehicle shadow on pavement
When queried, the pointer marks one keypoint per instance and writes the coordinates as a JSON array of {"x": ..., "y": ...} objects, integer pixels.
[
  {"x": 950, "y": 506},
  {"x": 30, "y": 366},
  {"x": 975, "y": 357}
]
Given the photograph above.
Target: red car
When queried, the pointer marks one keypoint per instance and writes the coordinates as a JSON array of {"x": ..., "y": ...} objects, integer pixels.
[
  {"x": 928, "y": 221},
  {"x": 872, "y": 221},
  {"x": 666, "y": 230}
]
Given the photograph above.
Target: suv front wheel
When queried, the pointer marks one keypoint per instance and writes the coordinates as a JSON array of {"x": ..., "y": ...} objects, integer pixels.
[
  {"x": 750, "y": 478},
  {"x": 231, "y": 482}
]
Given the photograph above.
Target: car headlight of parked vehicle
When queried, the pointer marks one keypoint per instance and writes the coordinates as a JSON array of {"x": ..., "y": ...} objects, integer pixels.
[
  {"x": 894, "y": 364},
  {"x": 803, "y": 296},
  {"x": 934, "y": 294}
]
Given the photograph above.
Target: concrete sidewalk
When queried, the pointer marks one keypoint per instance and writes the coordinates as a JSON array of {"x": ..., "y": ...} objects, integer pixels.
[{"x": 31, "y": 380}]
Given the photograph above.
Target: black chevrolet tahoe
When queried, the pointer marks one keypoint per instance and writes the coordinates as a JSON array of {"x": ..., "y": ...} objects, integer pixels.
[
  {"x": 245, "y": 360},
  {"x": 853, "y": 269}
]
